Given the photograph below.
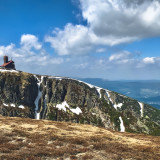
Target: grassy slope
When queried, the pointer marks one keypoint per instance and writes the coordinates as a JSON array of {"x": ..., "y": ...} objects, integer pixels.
[{"x": 22, "y": 138}]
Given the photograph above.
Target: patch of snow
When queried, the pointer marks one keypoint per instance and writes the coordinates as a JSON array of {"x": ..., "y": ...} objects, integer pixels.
[
  {"x": 62, "y": 106},
  {"x": 90, "y": 85},
  {"x": 122, "y": 128},
  {"x": 93, "y": 113},
  {"x": 12, "y": 105},
  {"x": 37, "y": 115},
  {"x": 109, "y": 97},
  {"x": 59, "y": 78},
  {"x": 99, "y": 91},
  {"x": 76, "y": 111},
  {"x": 38, "y": 96},
  {"x": 42, "y": 79},
  {"x": 4, "y": 70},
  {"x": 5, "y": 104},
  {"x": 21, "y": 106},
  {"x": 142, "y": 108},
  {"x": 118, "y": 105}
]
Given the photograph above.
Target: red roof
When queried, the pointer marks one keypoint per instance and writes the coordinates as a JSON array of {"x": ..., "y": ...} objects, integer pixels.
[{"x": 5, "y": 64}]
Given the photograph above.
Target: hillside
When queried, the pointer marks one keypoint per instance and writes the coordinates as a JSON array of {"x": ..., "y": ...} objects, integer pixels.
[
  {"x": 147, "y": 91},
  {"x": 24, "y": 138},
  {"x": 65, "y": 99}
]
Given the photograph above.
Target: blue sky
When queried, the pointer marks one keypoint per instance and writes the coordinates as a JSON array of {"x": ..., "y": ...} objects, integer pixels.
[
  {"x": 110, "y": 39},
  {"x": 36, "y": 17}
]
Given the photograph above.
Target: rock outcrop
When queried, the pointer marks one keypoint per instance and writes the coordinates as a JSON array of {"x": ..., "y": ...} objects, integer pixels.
[{"x": 65, "y": 99}]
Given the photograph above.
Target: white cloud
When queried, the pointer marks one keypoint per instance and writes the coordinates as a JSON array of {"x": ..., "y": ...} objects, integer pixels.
[
  {"x": 109, "y": 23},
  {"x": 125, "y": 55},
  {"x": 26, "y": 58},
  {"x": 100, "y": 50},
  {"x": 149, "y": 63},
  {"x": 118, "y": 20},
  {"x": 81, "y": 65},
  {"x": 11, "y": 50},
  {"x": 29, "y": 41},
  {"x": 72, "y": 40},
  {"x": 122, "y": 65},
  {"x": 150, "y": 60}
]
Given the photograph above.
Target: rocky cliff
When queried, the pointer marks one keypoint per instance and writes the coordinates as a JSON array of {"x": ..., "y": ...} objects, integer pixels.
[{"x": 64, "y": 99}]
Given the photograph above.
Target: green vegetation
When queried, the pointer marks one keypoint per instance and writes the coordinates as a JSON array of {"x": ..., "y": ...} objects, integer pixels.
[
  {"x": 154, "y": 129},
  {"x": 113, "y": 113}
]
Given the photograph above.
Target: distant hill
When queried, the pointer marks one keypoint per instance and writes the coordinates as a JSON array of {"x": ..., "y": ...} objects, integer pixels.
[{"x": 145, "y": 91}]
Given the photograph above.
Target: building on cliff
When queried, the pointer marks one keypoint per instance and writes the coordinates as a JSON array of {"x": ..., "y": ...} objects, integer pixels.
[{"x": 7, "y": 64}]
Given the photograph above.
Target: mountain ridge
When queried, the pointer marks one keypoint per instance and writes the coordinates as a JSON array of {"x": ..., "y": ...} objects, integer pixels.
[
  {"x": 65, "y": 99},
  {"x": 147, "y": 91}
]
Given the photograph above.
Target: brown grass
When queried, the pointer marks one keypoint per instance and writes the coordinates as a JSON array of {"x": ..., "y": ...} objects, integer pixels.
[{"x": 23, "y": 138}]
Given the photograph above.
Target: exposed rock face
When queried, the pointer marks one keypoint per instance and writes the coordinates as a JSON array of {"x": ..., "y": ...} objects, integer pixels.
[{"x": 63, "y": 99}]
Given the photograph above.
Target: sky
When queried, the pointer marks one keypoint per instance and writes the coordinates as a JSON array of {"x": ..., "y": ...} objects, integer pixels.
[{"x": 109, "y": 39}]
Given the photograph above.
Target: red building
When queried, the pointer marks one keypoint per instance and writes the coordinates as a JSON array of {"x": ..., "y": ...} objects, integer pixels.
[{"x": 8, "y": 64}]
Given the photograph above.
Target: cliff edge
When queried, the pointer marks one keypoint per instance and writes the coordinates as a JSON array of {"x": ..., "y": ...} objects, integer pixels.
[{"x": 65, "y": 99}]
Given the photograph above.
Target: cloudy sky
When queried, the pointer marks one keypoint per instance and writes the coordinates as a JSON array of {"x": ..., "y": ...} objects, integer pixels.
[{"x": 110, "y": 39}]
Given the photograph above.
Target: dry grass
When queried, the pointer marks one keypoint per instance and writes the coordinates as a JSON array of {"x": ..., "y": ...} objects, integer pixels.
[{"x": 22, "y": 138}]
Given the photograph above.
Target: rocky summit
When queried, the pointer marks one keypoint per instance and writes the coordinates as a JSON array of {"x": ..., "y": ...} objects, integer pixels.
[{"x": 65, "y": 99}]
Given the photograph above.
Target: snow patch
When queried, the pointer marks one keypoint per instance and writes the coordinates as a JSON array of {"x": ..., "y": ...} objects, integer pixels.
[
  {"x": 64, "y": 105},
  {"x": 12, "y": 105},
  {"x": 4, "y": 70},
  {"x": 122, "y": 128},
  {"x": 118, "y": 105},
  {"x": 76, "y": 111},
  {"x": 142, "y": 108},
  {"x": 109, "y": 97},
  {"x": 21, "y": 106},
  {"x": 37, "y": 115},
  {"x": 99, "y": 91},
  {"x": 90, "y": 85},
  {"x": 5, "y": 104},
  {"x": 38, "y": 97},
  {"x": 59, "y": 78}
]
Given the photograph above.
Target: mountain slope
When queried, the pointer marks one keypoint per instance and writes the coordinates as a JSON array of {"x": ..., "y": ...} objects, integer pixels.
[
  {"x": 24, "y": 138},
  {"x": 147, "y": 91},
  {"x": 64, "y": 99}
]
